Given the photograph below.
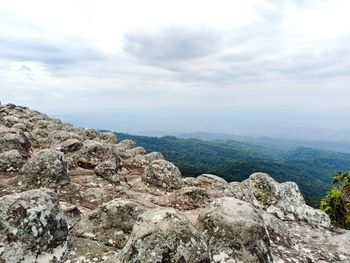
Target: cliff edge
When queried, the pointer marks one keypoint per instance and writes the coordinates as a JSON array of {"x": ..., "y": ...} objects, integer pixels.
[{"x": 72, "y": 194}]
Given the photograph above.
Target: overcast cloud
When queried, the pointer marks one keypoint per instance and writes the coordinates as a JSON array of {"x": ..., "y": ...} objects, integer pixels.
[{"x": 239, "y": 66}]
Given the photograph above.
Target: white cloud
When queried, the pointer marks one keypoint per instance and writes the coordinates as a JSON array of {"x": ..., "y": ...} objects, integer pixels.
[{"x": 122, "y": 54}]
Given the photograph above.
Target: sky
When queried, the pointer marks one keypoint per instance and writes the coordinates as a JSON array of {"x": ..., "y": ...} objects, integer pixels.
[{"x": 276, "y": 68}]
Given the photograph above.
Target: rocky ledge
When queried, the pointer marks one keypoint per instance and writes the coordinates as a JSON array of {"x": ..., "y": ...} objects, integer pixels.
[{"x": 78, "y": 195}]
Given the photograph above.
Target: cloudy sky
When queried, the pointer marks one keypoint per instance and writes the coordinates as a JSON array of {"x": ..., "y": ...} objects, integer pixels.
[{"x": 251, "y": 67}]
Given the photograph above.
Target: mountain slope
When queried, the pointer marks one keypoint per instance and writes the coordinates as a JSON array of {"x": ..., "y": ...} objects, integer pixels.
[{"x": 311, "y": 169}]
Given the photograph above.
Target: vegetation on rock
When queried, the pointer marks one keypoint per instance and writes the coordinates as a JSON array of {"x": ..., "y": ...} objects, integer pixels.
[{"x": 337, "y": 201}]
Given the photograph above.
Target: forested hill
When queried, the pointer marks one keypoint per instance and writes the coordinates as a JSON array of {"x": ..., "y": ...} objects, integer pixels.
[{"x": 311, "y": 169}]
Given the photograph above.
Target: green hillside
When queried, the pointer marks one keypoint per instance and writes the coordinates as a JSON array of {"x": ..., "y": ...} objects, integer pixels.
[{"x": 311, "y": 169}]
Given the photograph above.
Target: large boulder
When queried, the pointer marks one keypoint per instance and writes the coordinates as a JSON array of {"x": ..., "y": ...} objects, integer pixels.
[
  {"x": 14, "y": 139},
  {"x": 126, "y": 144},
  {"x": 186, "y": 198},
  {"x": 235, "y": 232},
  {"x": 111, "y": 223},
  {"x": 89, "y": 134},
  {"x": 128, "y": 149},
  {"x": 10, "y": 120},
  {"x": 94, "y": 152},
  {"x": 68, "y": 146},
  {"x": 131, "y": 153},
  {"x": 143, "y": 160},
  {"x": 211, "y": 181},
  {"x": 284, "y": 200},
  {"x": 108, "y": 137},
  {"x": 108, "y": 171},
  {"x": 59, "y": 136},
  {"x": 47, "y": 168},
  {"x": 11, "y": 161},
  {"x": 164, "y": 236},
  {"x": 40, "y": 137},
  {"x": 32, "y": 227},
  {"x": 162, "y": 174},
  {"x": 242, "y": 192}
]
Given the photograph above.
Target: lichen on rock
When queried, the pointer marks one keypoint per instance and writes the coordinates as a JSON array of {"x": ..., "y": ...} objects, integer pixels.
[
  {"x": 47, "y": 168},
  {"x": 32, "y": 227},
  {"x": 163, "y": 174}
]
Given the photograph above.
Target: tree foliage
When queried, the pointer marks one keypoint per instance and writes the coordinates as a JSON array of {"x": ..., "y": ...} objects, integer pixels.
[
  {"x": 233, "y": 160},
  {"x": 337, "y": 201}
]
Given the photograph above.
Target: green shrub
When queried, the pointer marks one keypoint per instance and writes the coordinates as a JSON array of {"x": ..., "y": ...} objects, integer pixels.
[{"x": 337, "y": 203}]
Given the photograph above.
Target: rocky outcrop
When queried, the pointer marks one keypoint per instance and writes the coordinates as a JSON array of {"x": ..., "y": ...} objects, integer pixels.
[
  {"x": 164, "y": 235},
  {"x": 11, "y": 161},
  {"x": 118, "y": 203},
  {"x": 93, "y": 153},
  {"x": 162, "y": 174},
  {"x": 108, "y": 171},
  {"x": 14, "y": 139},
  {"x": 143, "y": 160},
  {"x": 187, "y": 198},
  {"x": 47, "y": 168},
  {"x": 68, "y": 146},
  {"x": 32, "y": 228},
  {"x": 111, "y": 223},
  {"x": 235, "y": 232},
  {"x": 284, "y": 200}
]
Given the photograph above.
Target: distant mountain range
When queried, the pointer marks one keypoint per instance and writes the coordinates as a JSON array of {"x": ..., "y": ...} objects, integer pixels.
[
  {"x": 235, "y": 160},
  {"x": 277, "y": 143}
]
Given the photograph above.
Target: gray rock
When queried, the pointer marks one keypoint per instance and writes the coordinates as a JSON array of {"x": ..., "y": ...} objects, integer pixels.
[
  {"x": 94, "y": 152},
  {"x": 10, "y": 120},
  {"x": 285, "y": 200},
  {"x": 14, "y": 139},
  {"x": 235, "y": 232},
  {"x": 163, "y": 236},
  {"x": 11, "y": 161},
  {"x": 210, "y": 180},
  {"x": 242, "y": 192},
  {"x": 60, "y": 136},
  {"x": 143, "y": 160},
  {"x": 40, "y": 137},
  {"x": 108, "y": 170},
  {"x": 108, "y": 137},
  {"x": 128, "y": 149},
  {"x": 20, "y": 126},
  {"x": 111, "y": 223},
  {"x": 68, "y": 146},
  {"x": 89, "y": 134},
  {"x": 47, "y": 168},
  {"x": 131, "y": 153},
  {"x": 186, "y": 198},
  {"x": 32, "y": 227},
  {"x": 58, "y": 127},
  {"x": 162, "y": 174},
  {"x": 42, "y": 124},
  {"x": 126, "y": 144}
]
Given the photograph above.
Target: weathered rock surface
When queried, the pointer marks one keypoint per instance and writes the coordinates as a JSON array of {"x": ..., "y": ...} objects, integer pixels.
[
  {"x": 47, "y": 168},
  {"x": 285, "y": 200},
  {"x": 145, "y": 159},
  {"x": 93, "y": 153},
  {"x": 163, "y": 174},
  {"x": 187, "y": 198},
  {"x": 119, "y": 204},
  {"x": 108, "y": 170},
  {"x": 11, "y": 161},
  {"x": 68, "y": 146},
  {"x": 235, "y": 232},
  {"x": 164, "y": 236},
  {"x": 32, "y": 227},
  {"x": 14, "y": 139},
  {"x": 111, "y": 223}
]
